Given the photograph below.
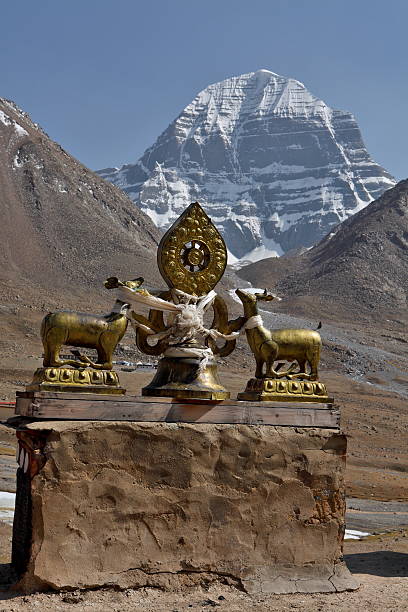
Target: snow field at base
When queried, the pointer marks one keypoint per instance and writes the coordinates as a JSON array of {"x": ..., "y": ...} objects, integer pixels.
[
  {"x": 260, "y": 252},
  {"x": 162, "y": 220},
  {"x": 7, "y": 503},
  {"x": 353, "y": 534},
  {"x": 231, "y": 259}
]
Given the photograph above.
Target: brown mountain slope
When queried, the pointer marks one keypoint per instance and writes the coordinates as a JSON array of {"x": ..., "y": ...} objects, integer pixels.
[
  {"x": 357, "y": 272},
  {"x": 63, "y": 230},
  {"x": 61, "y": 224}
]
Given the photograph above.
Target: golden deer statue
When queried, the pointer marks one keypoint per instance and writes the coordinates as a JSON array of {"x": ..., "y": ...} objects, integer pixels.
[
  {"x": 268, "y": 346},
  {"x": 86, "y": 330}
]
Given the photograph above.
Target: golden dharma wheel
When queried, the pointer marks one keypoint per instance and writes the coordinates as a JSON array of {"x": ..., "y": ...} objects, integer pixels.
[{"x": 192, "y": 255}]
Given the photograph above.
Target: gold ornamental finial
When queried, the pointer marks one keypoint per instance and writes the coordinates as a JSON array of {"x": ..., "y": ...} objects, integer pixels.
[{"x": 192, "y": 255}]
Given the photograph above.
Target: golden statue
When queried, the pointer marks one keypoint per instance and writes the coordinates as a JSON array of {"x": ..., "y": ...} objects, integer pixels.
[
  {"x": 299, "y": 346},
  {"x": 84, "y": 330},
  {"x": 191, "y": 258}
]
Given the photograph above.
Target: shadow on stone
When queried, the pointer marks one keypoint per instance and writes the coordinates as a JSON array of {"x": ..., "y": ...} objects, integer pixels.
[
  {"x": 8, "y": 577},
  {"x": 379, "y": 563}
]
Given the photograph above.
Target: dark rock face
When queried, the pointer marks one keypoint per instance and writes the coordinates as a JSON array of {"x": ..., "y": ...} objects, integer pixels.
[{"x": 274, "y": 166}]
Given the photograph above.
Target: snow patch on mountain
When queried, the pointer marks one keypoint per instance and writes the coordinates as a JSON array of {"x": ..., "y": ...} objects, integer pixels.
[
  {"x": 273, "y": 165},
  {"x": 5, "y": 119}
]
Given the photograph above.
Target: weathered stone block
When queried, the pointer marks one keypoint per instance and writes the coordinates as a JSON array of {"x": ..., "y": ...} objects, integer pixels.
[{"x": 169, "y": 504}]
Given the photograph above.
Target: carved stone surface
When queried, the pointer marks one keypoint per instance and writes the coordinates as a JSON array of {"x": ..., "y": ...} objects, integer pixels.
[{"x": 169, "y": 504}]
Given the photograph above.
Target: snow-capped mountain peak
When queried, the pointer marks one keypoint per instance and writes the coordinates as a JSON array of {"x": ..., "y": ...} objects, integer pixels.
[{"x": 273, "y": 165}]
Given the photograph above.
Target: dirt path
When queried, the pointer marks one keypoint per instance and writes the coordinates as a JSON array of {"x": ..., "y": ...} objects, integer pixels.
[{"x": 380, "y": 564}]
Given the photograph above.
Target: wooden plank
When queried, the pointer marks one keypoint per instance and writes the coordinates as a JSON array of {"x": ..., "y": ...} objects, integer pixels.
[
  {"x": 262, "y": 413},
  {"x": 95, "y": 397},
  {"x": 90, "y": 399},
  {"x": 81, "y": 405},
  {"x": 24, "y": 406},
  {"x": 254, "y": 415}
]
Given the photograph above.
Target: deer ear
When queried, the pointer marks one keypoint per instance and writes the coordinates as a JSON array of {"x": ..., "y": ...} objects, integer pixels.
[{"x": 111, "y": 282}]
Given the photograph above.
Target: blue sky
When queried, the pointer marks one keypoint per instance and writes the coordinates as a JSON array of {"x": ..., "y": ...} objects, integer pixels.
[{"x": 104, "y": 77}]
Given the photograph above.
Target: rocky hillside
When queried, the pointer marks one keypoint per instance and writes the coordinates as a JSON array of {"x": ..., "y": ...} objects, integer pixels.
[
  {"x": 62, "y": 225},
  {"x": 63, "y": 230},
  {"x": 274, "y": 166},
  {"x": 361, "y": 267}
]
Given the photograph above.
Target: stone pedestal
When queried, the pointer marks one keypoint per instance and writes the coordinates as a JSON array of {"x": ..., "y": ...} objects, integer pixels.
[{"x": 173, "y": 504}]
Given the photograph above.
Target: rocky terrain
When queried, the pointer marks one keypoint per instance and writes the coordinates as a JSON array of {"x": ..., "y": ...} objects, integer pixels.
[
  {"x": 62, "y": 224},
  {"x": 274, "y": 166},
  {"x": 357, "y": 273},
  {"x": 378, "y": 563}
]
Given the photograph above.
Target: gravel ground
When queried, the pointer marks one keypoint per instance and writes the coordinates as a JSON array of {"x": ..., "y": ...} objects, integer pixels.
[
  {"x": 376, "y": 516},
  {"x": 383, "y": 575},
  {"x": 380, "y": 564}
]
